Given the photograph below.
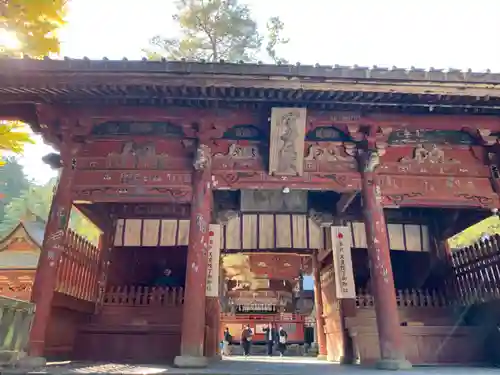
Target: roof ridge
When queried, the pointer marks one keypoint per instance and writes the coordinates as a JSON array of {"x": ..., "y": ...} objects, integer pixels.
[{"x": 196, "y": 66}]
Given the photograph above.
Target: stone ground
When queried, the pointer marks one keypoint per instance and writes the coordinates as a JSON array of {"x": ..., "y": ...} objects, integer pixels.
[{"x": 245, "y": 366}]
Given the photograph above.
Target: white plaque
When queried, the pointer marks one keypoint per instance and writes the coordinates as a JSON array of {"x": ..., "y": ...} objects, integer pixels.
[
  {"x": 213, "y": 261},
  {"x": 342, "y": 262}
]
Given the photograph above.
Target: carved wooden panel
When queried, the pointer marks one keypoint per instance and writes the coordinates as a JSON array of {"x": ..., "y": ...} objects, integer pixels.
[
  {"x": 250, "y": 236},
  {"x": 151, "y": 232},
  {"x": 396, "y": 236},
  {"x": 273, "y": 201},
  {"x": 133, "y": 232},
  {"x": 271, "y": 231},
  {"x": 287, "y": 141},
  {"x": 437, "y": 191},
  {"x": 409, "y": 237},
  {"x": 237, "y": 155},
  {"x": 169, "y": 230},
  {"x": 284, "y": 231},
  {"x": 432, "y": 159},
  {"x": 330, "y": 157},
  {"x": 155, "y": 154},
  {"x": 233, "y": 234},
  {"x": 183, "y": 236},
  {"x": 120, "y": 223},
  {"x": 267, "y": 232},
  {"x": 316, "y": 236},
  {"x": 340, "y": 182},
  {"x": 299, "y": 224}
]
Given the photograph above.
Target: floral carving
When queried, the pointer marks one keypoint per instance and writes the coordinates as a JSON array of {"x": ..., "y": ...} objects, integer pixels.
[
  {"x": 328, "y": 154},
  {"x": 203, "y": 158},
  {"x": 434, "y": 155}
]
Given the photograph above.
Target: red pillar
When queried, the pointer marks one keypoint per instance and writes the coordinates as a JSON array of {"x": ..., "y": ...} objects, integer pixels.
[
  {"x": 392, "y": 354},
  {"x": 213, "y": 327},
  {"x": 193, "y": 316},
  {"x": 53, "y": 246},
  {"x": 318, "y": 303}
]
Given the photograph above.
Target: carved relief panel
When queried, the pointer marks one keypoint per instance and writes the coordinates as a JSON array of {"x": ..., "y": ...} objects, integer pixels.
[
  {"x": 434, "y": 159},
  {"x": 237, "y": 155},
  {"x": 137, "y": 154},
  {"x": 286, "y": 153},
  {"x": 451, "y": 191}
]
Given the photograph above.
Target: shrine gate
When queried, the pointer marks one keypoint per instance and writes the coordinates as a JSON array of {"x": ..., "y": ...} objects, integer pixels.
[{"x": 387, "y": 164}]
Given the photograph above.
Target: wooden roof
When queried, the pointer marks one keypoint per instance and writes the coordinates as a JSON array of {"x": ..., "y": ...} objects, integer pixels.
[
  {"x": 207, "y": 85},
  {"x": 20, "y": 249}
]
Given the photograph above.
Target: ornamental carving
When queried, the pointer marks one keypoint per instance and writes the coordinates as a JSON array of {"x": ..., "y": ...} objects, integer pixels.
[
  {"x": 240, "y": 152},
  {"x": 203, "y": 158},
  {"x": 287, "y": 141},
  {"x": 137, "y": 155},
  {"x": 428, "y": 154},
  {"x": 372, "y": 161},
  {"x": 327, "y": 154}
]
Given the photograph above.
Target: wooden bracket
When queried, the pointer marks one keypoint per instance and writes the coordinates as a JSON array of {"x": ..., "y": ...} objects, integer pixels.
[{"x": 345, "y": 201}]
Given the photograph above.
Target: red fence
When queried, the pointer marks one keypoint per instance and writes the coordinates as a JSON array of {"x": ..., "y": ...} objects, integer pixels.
[
  {"x": 79, "y": 268},
  {"x": 476, "y": 271}
]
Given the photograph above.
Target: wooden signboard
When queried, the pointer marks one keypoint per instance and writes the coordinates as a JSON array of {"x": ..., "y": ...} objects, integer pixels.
[
  {"x": 213, "y": 264},
  {"x": 342, "y": 262},
  {"x": 288, "y": 127}
]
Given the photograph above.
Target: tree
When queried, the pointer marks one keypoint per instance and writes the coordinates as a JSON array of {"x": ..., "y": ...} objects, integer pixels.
[
  {"x": 216, "y": 30},
  {"x": 12, "y": 182},
  {"x": 37, "y": 199},
  {"x": 13, "y": 137},
  {"x": 274, "y": 29},
  {"x": 33, "y": 24}
]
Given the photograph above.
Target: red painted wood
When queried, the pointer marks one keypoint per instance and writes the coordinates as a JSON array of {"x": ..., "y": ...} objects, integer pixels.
[
  {"x": 193, "y": 318},
  {"x": 318, "y": 304},
  {"x": 382, "y": 279},
  {"x": 52, "y": 250}
]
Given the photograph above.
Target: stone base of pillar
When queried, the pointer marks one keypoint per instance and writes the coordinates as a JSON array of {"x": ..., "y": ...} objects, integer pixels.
[
  {"x": 20, "y": 360},
  {"x": 393, "y": 364},
  {"x": 185, "y": 361}
]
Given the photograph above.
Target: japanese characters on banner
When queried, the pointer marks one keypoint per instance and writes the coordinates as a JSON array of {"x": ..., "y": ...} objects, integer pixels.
[
  {"x": 342, "y": 262},
  {"x": 213, "y": 261}
]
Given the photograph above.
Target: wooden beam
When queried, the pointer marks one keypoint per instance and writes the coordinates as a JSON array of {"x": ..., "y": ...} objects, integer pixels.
[
  {"x": 345, "y": 201},
  {"x": 299, "y": 252}
]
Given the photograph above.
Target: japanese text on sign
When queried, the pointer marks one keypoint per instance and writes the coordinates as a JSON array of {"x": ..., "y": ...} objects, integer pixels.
[
  {"x": 344, "y": 276},
  {"x": 212, "y": 289}
]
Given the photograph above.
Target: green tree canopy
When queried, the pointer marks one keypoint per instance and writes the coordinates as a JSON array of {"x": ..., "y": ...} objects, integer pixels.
[
  {"x": 215, "y": 30},
  {"x": 37, "y": 199},
  {"x": 12, "y": 182},
  {"x": 33, "y": 23}
]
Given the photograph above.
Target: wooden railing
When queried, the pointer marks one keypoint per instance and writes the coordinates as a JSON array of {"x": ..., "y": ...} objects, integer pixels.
[
  {"x": 143, "y": 296},
  {"x": 15, "y": 323},
  {"x": 476, "y": 271},
  {"x": 406, "y": 298},
  {"x": 79, "y": 269}
]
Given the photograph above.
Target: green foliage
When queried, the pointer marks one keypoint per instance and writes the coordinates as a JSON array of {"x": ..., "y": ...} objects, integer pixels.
[
  {"x": 469, "y": 236},
  {"x": 13, "y": 137},
  {"x": 12, "y": 182},
  {"x": 214, "y": 30},
  {"x": 34, "y": 24},
  {"x": 37, "y": 199},
  {"x": 275, "y": 28}
]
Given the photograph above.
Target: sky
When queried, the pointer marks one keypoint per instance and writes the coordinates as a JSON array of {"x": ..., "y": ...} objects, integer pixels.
[{"x": 444, "y": 34}]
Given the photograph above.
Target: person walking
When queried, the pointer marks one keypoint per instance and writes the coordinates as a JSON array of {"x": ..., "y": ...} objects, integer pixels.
[
  {"x": 270, "y": 335},
  {"x": 226, "y": 342},
  {"x": 282, "y": 341},
  {"x": 246, "y": 340}
]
